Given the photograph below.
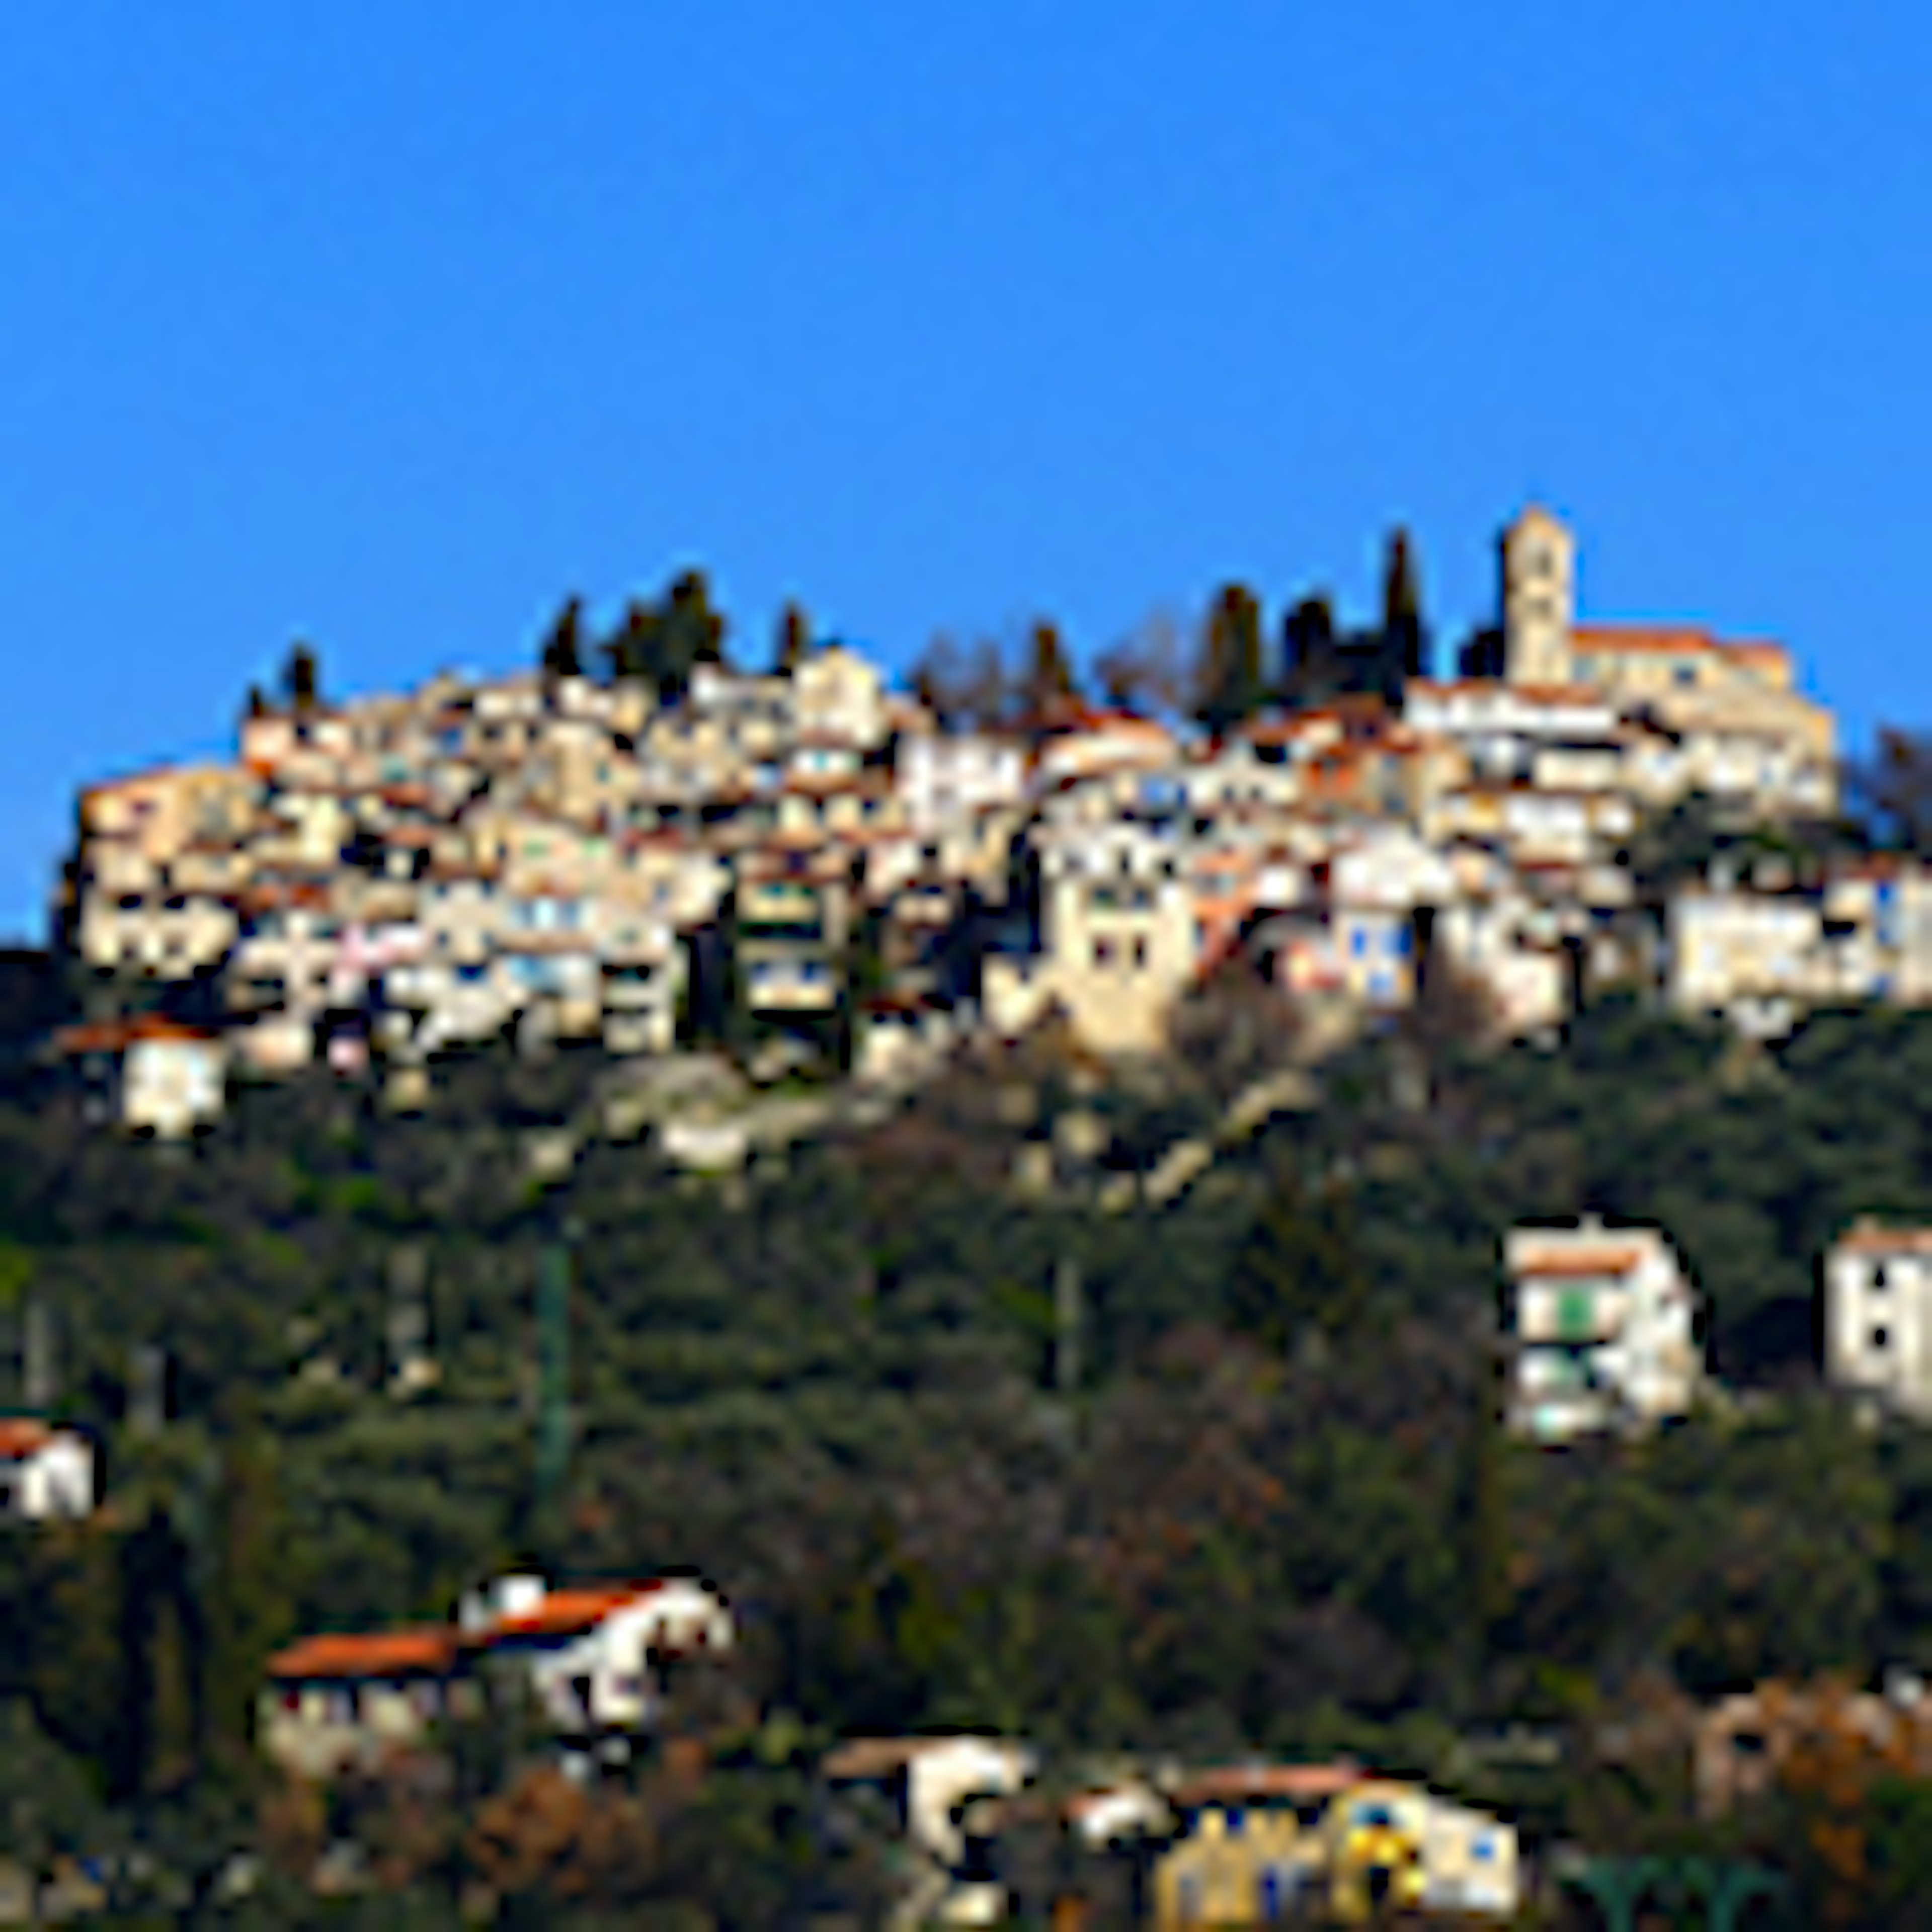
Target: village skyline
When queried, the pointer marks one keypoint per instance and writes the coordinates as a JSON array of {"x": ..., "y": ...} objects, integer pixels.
[{"x": 391, "y": 337}]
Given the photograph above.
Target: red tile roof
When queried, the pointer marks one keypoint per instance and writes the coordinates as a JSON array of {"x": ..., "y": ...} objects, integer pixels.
[
  {"x": 1610, "y": 639},
  {"x": 428, "y": 1651},
  {"x": 564, "y": 1613},
  {"x": 114, "y": 1036},
  {"x": 1233, "y": 1783},
  {"x": 21, "y": 1436},
  {"x": 1868, "y": 1237},
  {"x": 1568, "y": 1263}
]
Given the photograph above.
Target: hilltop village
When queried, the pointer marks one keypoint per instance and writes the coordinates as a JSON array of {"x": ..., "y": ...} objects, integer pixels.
[
  {"x": 807, "y": 865},
  {"x": 1293, "y": 1290}
]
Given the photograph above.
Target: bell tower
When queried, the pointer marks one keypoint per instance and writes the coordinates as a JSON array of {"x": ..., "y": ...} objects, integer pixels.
[{"x": 1539, "y": 598}]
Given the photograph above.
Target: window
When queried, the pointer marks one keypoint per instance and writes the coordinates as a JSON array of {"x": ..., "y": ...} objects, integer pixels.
[
  {"x": 1103, "y": 952},
  {"x": 1140, "y": 954},
  {"x": 1881, "y": 1339}
]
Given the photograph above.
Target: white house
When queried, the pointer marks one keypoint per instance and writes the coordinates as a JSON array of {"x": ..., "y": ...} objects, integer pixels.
[
  {"x": 596, "y": 1660},
  {"x": 1602, "y": 1324},
  {"x": 152, "y": 1076},
  {"x": 1878, "y": 1315},
  {"x": 595, "y": 1656},
  {"x": 46, "y": 1473},
  {"x": 933, "y": 1785},
  {"x": 944, "y": 778}
]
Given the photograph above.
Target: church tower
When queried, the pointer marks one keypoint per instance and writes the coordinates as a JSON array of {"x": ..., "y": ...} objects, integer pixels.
[{"x": 1539, "y": 598}]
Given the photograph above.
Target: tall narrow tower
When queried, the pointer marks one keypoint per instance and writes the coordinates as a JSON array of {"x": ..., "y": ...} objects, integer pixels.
[{"x": 1539, "y": 598}]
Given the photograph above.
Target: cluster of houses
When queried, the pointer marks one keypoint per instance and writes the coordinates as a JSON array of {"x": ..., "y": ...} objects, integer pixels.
[
  {"x": 1603, "y": 1327},
  {"x": 949, "y": 1817},
  {"x": 1220, "y": 1845},
  {"x": 594, "y": 1660},
  {"x": 808, "y": 854}
]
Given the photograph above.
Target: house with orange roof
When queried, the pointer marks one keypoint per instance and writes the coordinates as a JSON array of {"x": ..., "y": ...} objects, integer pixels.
[
  {"x": 156, "y": 1077},
  {"x": 334, "y": 1704},
  {"x": 1685, "y": 674},
  {"x": 46, "y": 1473},
  {"x": 1601, "y": 1324},
  {"x": 596, "y": 1655},
  {"x": 594, "y": 1658},
  {"x": 1089, "y": 742}
]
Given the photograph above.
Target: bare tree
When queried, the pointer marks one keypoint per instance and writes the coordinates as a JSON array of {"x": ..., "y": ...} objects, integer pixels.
[
  {"x": 1891, "y": 789},
  {"x": 1147, "y": 669}
]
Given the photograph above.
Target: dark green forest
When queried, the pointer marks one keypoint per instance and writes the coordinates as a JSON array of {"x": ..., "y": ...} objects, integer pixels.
[{"x": 1220, "y": 1476}]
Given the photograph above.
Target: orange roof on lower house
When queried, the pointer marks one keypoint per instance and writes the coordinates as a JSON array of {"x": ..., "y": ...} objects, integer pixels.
[
  {"x": 865, "y": 1758},
  {"x": 1870, "y": 1238},
  {"x": 1564, "y": 1263},
  {"x": 21, "y": 1436},
  {"x": 1236, "y": 1783},
  {"x": 113, "y": 1035},
  {"x": 564, "y": 1612},
  {"x": 379, "y": 1654}
]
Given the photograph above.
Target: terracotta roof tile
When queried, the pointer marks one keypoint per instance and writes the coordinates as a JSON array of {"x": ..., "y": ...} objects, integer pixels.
[
  {"x": 1565, "y": 1264},
  {"x": 21, "y": 1436},
  {"x": 429, "y": 1652}
]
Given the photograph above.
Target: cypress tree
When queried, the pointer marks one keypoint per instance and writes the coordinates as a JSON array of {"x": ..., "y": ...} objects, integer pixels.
[
  {"x": 1229, "y": 683},
  {"x": 1401, "y": 603},
  {"x": 252, "y": 1609},
  {"x": 562, "y": 654},
  {"x": 301, "y": 678},
  {"x": 794, "y": 640},
  {"x": 1049, "y": 676}
]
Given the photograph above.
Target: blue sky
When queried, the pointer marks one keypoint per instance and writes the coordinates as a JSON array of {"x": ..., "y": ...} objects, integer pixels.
[{"x": 389, "y": 324}]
